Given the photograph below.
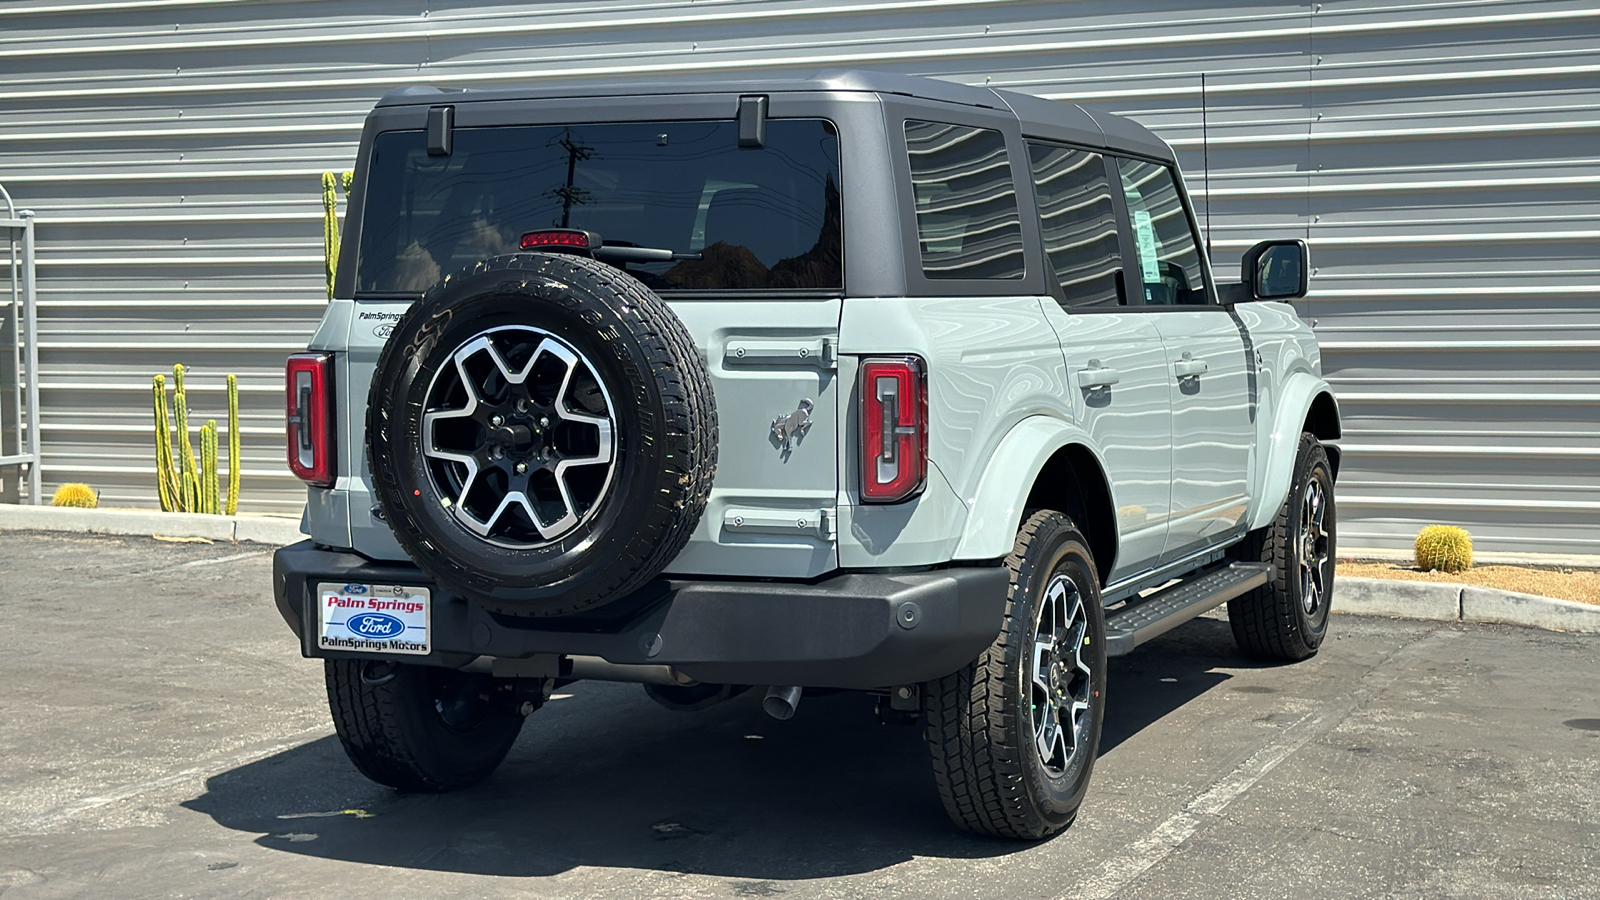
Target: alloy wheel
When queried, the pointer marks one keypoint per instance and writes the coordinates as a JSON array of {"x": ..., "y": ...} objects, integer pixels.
[
  {"x": 1062, "y": 682},
  {"x": 1315, "y": 547},
  {"x": 519, "y": 437}
]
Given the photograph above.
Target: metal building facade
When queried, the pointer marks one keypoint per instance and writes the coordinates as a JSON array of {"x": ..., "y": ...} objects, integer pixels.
[{"x": 1443, "y": 158}]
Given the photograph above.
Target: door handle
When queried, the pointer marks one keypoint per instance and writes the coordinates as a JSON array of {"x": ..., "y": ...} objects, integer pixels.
[
  {"x": 1097, "y": 376},
  {"x": 1189, "y": 367}
]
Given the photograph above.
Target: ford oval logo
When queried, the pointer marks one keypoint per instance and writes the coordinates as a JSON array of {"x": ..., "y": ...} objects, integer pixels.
[
  {"x": 383, "y": 330},
  {"x": 375, "y": 625}
]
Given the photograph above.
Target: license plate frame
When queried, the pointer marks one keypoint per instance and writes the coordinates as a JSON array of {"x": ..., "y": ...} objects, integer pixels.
[{"x": 383, "y": 619}]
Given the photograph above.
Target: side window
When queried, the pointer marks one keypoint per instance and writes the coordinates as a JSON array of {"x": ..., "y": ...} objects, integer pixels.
[
  {"x": 1169, "y": 255},
  {"x": 967, "y": 220},
  {"x": 1079, "y": 223}
]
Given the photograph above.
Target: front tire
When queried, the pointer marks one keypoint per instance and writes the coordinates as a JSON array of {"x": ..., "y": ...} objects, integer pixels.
[
  {"x": 1013, "y": 736},
  {"x": 1287, "y": 618},
  {"x": 419, "y": 728}
]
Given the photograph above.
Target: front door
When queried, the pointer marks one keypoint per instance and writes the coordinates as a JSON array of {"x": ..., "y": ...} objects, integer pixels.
[
  {"x": 1115, "y": 362},
  {"x": 1209, "y": 364}
]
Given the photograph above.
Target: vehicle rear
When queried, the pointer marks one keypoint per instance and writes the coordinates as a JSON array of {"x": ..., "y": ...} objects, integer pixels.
[{"x": 756, "y": 224}]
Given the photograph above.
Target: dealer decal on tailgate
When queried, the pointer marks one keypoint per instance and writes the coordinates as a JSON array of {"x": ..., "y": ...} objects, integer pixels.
[{"x": 375, "y": 618}]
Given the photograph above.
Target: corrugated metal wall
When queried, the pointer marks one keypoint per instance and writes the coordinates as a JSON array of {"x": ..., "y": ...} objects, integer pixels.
[{"x": 1442, "y": 157}]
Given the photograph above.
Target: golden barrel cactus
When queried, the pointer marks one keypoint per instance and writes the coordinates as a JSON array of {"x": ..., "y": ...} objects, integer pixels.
[
  {"x": 1445, "y": 548},
  {"x": 79, "y": 495}
]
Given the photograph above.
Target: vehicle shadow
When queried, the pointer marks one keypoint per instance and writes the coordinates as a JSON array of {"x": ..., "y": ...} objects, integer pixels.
[{"x": 607, "y": 778}]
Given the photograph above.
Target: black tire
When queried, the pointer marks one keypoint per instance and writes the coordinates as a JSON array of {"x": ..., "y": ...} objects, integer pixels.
[
  {"x": 1282, "y": 620},
  {"x": 981, "y": 721},
  {"x": 419, "y": 728},
  {"x": 643, "y": 373}
]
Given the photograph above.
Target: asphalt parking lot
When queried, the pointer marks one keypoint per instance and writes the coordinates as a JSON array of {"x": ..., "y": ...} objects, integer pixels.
[{"x": 160, "y": 736}]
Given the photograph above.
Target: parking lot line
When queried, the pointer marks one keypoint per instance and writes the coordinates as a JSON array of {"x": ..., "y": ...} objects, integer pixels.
[{"x": 1207, "y": 806}]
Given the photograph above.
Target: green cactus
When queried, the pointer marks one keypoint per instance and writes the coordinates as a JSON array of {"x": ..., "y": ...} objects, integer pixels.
[
  {"x": 186, "y": 483},
  {"x": 1445, "y": 548},
  {"x": 233, "y": 446},
  {"x": 186, "y": 458},
  {"x": 208, "y": 467},
  {"x": 166, "y": 472},
  {"x": 330, "y": 221},
  {"x": 190, "y": 489}
]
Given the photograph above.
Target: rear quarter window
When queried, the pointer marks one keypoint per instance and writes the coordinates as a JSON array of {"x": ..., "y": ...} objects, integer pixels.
[
  {"x": 761, "y": 219},
  {"x": 967, "y": 221}
]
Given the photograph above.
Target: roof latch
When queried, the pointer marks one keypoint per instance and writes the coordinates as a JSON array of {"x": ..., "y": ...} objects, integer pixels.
[
  {"x": 753, "y": 121},
  {"x": 441, "y": 124}
]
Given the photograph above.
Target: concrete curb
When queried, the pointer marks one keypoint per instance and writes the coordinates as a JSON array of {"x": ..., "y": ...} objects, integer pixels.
[
  {"x": 1356, "y": 596},
  {"x": 262, "y": 529},
  {"x": 1460, "y": 603}
]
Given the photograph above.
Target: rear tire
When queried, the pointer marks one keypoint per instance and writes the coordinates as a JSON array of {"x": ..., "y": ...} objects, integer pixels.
[
  {"x": 1001, "y": 768},
  {"x": 419, "y": 728},
  {"x": 1287, "y": 618}
]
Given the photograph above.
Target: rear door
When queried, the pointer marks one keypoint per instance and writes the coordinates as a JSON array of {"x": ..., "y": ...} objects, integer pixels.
[
  {"x": 1209, "y": 364},
  {"x": 754, "y": 272},
  {"x": 1113, "y": 353}
]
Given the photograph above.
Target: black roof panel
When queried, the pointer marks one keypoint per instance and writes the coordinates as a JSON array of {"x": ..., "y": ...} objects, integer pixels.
[{"x": 1052, "y": 119}]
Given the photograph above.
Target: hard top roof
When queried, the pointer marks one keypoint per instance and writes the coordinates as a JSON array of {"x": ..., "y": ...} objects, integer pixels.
[{"x": 1039, "y": 117}]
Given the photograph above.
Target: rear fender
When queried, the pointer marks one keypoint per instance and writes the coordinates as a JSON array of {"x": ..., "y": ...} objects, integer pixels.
[
  {"x": 1293, "y": 412},
  {"x": 995, "y": 510}
]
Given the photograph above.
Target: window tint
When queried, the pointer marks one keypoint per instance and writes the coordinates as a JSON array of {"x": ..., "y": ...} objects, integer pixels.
[
  {"x": 967, "y": 220},
  {"x": 760, "y": 218},
  {"x": 1079, "y": 223},
  {"x": 1169, "y": 256}
]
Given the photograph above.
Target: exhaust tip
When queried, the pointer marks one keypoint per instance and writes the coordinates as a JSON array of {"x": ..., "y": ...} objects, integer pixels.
[{"x": 781, "y": 701}]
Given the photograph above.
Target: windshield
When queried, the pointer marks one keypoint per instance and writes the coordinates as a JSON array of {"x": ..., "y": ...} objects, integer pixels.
[{"x": 758, "y": 219}]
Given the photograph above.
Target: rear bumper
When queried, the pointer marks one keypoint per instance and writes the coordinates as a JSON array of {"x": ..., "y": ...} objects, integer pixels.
[{"x": 852, "y": 630}]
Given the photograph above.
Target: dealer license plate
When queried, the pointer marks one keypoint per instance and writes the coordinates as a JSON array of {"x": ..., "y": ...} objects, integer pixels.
[{"x": 374, "y": 618}]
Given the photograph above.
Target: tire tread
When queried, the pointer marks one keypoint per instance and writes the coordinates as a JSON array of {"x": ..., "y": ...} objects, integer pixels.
[
  {"x": 974, "y": 732},
  {"x": 1266, "y": 621}
]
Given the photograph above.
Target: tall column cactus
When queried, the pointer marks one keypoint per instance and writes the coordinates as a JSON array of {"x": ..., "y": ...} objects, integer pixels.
[
  {"x": 233, "y": 446},
  {"x": 186, "y": 483},
  {"x": 167, "y": 483},
  {"x": 330, "y": 222},
  {"x": 208, "y": 467},
  {"x": 190, "y": 466}
]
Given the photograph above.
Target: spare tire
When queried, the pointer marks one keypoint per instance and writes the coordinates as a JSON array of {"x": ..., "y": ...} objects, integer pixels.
[{"x": 541, "y": 434}]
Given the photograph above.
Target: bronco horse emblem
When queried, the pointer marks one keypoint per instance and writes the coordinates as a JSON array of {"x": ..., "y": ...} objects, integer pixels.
[{"x": 789, "y": 430}]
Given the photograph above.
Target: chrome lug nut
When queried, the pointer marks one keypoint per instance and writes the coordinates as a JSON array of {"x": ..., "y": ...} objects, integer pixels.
[
  {"x": 497, "y": 421},
  {"x": 522, "y": 468},
  {"x": 544, "y": 421}
]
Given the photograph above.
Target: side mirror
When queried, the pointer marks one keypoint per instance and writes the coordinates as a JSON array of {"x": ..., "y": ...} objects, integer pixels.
[{"x": 1277, "y": 270}]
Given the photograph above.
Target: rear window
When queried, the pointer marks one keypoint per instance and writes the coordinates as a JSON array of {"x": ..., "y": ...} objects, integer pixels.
[{"x": 760, "y": 219}]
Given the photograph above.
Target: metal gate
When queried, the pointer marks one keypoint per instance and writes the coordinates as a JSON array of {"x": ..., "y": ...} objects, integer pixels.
[{"x": 19, "y": 388}]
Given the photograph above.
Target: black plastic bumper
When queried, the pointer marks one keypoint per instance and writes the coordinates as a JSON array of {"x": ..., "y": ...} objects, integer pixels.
[{"x": 851, "y": 630}]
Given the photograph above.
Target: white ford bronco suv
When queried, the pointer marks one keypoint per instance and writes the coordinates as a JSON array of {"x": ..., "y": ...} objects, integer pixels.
[{"x": 861, "y": 382}]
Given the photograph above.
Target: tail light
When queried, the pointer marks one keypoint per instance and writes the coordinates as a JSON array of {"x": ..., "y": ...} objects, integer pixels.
[
  {"x": 894, "y": 428},
  {"x": 310, "y": 432}
]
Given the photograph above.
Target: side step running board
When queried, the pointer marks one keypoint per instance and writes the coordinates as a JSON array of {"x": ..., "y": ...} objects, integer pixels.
[{"x": 1159, "y": 613}]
